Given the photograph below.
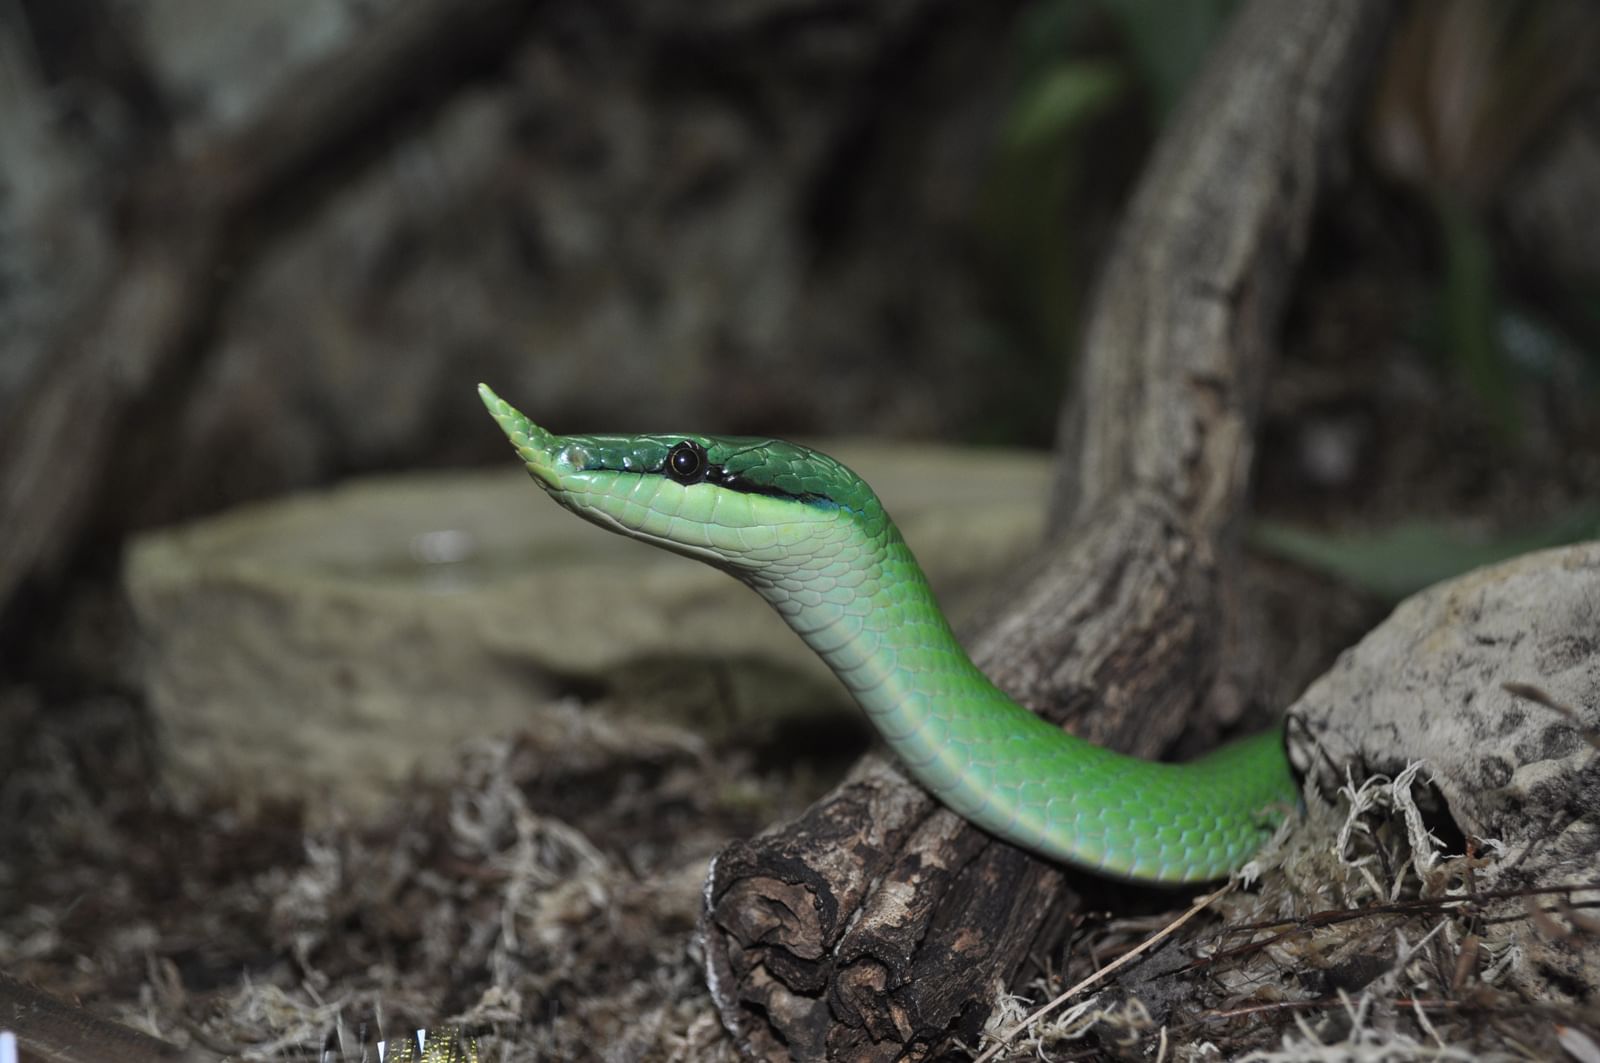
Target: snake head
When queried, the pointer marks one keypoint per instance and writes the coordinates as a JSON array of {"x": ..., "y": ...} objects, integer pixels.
[{"x": 746, "y": 504}]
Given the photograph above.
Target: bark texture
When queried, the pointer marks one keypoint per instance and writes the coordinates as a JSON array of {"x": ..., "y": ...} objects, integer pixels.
[{"x": 879, "y": 925}]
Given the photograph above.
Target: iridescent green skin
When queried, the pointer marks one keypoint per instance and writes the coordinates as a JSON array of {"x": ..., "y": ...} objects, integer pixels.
[{"x": 813, "y": 540}]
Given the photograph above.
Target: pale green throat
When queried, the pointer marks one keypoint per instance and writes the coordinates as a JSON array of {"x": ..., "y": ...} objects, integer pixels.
[{"x": 811, "y": 538}]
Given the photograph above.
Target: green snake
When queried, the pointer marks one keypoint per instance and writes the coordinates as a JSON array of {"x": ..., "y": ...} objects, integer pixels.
[{"x": 811, "y": 537}]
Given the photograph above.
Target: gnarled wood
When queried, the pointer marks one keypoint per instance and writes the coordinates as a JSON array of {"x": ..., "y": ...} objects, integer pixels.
[{"x": 879, "y": 925}]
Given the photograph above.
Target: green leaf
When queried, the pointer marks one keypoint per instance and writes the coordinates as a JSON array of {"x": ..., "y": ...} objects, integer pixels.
[
  {"x": 1061, "y": 99},
  {"x": 1471, "y": 307},
  {"x": 1401, "y": 560}
]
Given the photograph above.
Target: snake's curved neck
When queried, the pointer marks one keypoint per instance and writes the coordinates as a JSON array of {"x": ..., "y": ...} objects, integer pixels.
[
  {"x": 890, "y": 644},
  {"x": 877, "y": 625}
]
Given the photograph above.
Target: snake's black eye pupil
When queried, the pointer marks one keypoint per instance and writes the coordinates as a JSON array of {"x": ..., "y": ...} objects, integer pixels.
[{"x": 686, "y": 461}]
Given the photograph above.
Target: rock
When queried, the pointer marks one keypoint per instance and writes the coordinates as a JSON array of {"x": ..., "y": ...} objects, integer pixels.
[
  {"x": 329, "y": 645},
  {"x": 1429, "y": 684}
]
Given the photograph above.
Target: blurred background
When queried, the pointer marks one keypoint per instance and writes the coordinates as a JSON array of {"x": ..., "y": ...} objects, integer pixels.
[
  {"x": 267, "y": 247},
  {"x": 252, "y": 250}
]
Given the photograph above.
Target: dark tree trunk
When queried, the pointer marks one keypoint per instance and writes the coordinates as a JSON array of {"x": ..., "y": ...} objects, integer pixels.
[{"x": 879, "y": 924}]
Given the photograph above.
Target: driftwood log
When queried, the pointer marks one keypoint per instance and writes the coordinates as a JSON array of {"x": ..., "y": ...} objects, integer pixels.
[{"x": 879, "y": 925}]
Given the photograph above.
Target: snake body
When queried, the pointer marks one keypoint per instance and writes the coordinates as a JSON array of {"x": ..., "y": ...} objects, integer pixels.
[{"x": 811, "y": 537}]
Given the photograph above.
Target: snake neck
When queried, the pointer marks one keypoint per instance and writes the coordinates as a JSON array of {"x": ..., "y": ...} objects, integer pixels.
[
  {"x": 863, "y": 604},
  {"x": 867, "y": 610}
]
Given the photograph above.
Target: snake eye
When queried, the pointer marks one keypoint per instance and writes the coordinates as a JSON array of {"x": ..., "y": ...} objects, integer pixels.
[{"x": 686, "y": 461}]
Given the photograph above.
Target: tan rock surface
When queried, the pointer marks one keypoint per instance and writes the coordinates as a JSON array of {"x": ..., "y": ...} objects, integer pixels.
[
  {"x": 1429, "y": 685},
  {"x": 330, "y": 644}
]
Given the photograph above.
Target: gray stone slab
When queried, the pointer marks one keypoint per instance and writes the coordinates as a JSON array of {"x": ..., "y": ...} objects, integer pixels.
[{"x": 330, "y": 644}]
